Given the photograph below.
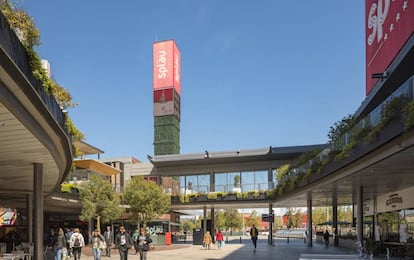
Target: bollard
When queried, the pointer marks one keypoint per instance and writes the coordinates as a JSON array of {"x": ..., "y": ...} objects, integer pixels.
[
  {"x": 288, "y": 240},
  {"x": 227, "y": 240},
  {"x": 240, "y": 240}
]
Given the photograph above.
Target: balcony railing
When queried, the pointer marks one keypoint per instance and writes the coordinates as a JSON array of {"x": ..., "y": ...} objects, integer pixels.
[{"x": 15, "y": 50}]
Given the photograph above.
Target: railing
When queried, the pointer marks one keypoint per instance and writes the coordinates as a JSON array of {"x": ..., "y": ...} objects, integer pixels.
[
  {"x": 247, "y": 187},
  {"x": 14, "y": 48}
]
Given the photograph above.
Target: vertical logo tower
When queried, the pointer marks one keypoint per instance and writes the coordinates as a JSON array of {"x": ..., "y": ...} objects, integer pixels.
[{"x": 166, "y": 88}]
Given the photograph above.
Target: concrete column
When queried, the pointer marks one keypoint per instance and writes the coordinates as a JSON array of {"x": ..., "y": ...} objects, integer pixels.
[
  {"x": 335, "y": 220},
  {"x": 213, "y": 224},
  {"x": 309, "y": 210},
  {"x": 360, "y": 199},
  {"x": 271, "y": 224},
  {"x": 38, "y": 208},
  {"x": 204, "y": 219},
  {"x": 212, "y": 182},
  {"x": 270, "y": 179},
  {"x": 29, "y": 207}
]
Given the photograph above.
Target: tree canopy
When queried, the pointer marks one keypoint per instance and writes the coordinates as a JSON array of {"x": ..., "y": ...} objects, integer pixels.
[
  {"x": 146, "y": 199},
  {"x": 99, "y": 201}
]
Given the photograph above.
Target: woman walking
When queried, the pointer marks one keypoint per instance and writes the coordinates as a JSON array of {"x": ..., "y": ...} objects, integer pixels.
[
  {"x": 144, "y": 243},
  {"x": 59, "y": 242},
  {"x": 219, "y": 239},
  {"x": 96, "y": 241}
]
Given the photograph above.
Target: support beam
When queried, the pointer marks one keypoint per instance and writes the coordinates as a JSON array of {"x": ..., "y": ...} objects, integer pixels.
[
  {"x": 38, "y": 206},
  {"x": 213, "y": 225},
  {"x": 30, "y": 222},
  {"x": 309, "y": 224},
  {"x": 204, "y": 220},
  {"x": 335, "y": 220},
  {"x": 360, "y": 199},
  {"x": 271, "y": 213}
]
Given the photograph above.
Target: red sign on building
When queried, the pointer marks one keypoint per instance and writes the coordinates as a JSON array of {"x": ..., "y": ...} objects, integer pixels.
[
  {"x": 389, "y": 24},
  {"x": 167, "y": 66}
]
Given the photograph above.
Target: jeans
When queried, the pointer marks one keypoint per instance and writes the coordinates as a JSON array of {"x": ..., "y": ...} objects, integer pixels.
[
  {"x": 76, "y": 252},
  {"x": 96, "y": 253},
  {"x": 143, "y": 254},
  {"x": 220, "y": 243},
  {"x": 254, "y": 239},
  {"x": 123, "y": 254},
  {"x": 58, "y": 252}
]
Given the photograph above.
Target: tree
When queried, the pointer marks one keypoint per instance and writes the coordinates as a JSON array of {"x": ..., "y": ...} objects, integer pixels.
[
  {"x": 146, "y": 199},
  {"x": 188, "y": 225},
  {"x": 232, "y": 219},
  {"x": 219, "y": 219},
  {"x": 253, "y": 219},
  {"x": 99, "y": 201}
]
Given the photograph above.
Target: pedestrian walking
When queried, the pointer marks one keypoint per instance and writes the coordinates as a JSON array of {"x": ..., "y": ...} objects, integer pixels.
[
  {"x": 123, "y": 243},
  {"x": 219, "y": 239},
  {"x": 207, "y": 240},
  {"x": 254, "y": 233},
  {"x": 326, "y": 237},
  {"x": 109, "y": 239},
  {"x": 97, "y": 243},
  {"x": 77, "y": 241},
  {"x": 58, "y": 242},
  {"x": 135, "y": 240},
  {"x": 68, "y": 235},
  {"x": 144, "y": 243}
]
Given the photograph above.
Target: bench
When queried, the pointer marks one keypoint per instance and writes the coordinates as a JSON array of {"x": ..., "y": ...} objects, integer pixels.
[{"x": 326, "y": 256}]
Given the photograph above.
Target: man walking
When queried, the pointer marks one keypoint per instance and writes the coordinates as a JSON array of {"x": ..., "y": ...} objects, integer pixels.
[
  {"x": 108, "y": 240},
  {"x": 254, "y": 233},
  {"x": 123, "y": 242}
]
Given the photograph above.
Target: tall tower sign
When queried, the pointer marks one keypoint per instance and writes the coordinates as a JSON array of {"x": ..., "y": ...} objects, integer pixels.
[{"x": 166, "y": 92}]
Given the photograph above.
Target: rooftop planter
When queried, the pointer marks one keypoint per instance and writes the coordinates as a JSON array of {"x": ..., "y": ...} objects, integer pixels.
[
  {"x": 222, "y": 196},
  {"x": 350, "y": 140}
]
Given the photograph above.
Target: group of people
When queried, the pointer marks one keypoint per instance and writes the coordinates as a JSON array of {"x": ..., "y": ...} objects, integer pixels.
[
  {"x": 71, "y": 243},
  {"x": 208, "y": 240}
]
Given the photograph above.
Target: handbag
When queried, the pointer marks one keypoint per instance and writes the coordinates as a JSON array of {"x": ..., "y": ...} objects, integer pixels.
[
  {"x": 146, "y": 247},
  {"x": 102, "y": 245}
]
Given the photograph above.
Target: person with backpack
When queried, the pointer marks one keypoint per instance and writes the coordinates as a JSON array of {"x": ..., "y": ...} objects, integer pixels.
[{"x": 77, "y": 241}]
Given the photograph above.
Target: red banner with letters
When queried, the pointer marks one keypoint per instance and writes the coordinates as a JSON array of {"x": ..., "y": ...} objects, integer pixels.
[
  {"x": 389, "y": 24},
  {"x": 166, "y": 66}
]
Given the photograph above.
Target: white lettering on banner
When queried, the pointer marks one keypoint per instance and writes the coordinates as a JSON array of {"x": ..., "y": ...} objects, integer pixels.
[
  {"x": 153, "y": 230},
  {"x": 376, "y": 20},
  {"x": 177, "y": 68},
  {"x": 162, "y": 64}
]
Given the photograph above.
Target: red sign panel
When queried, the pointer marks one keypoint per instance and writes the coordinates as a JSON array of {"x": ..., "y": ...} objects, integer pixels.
[
  {"x": 389, "y": 24},
  {"x": 167, "y": 66},
  {"x": 167, "y": 102},
  {"x": 163, "y": 95}
]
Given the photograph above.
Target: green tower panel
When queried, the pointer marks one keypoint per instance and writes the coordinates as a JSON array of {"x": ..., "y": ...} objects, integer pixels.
[{"x": 166, "y": 135}]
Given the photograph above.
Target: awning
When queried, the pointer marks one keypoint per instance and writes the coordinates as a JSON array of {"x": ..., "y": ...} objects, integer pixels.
[{"x": 96, "y": 166}]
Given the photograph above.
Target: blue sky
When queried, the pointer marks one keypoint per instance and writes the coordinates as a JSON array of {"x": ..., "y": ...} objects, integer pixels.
[{"x": 254, "y": 73}]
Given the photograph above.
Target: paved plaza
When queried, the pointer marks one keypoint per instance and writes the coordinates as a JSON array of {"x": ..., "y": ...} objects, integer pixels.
[{"x": 234, "y": 250}]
